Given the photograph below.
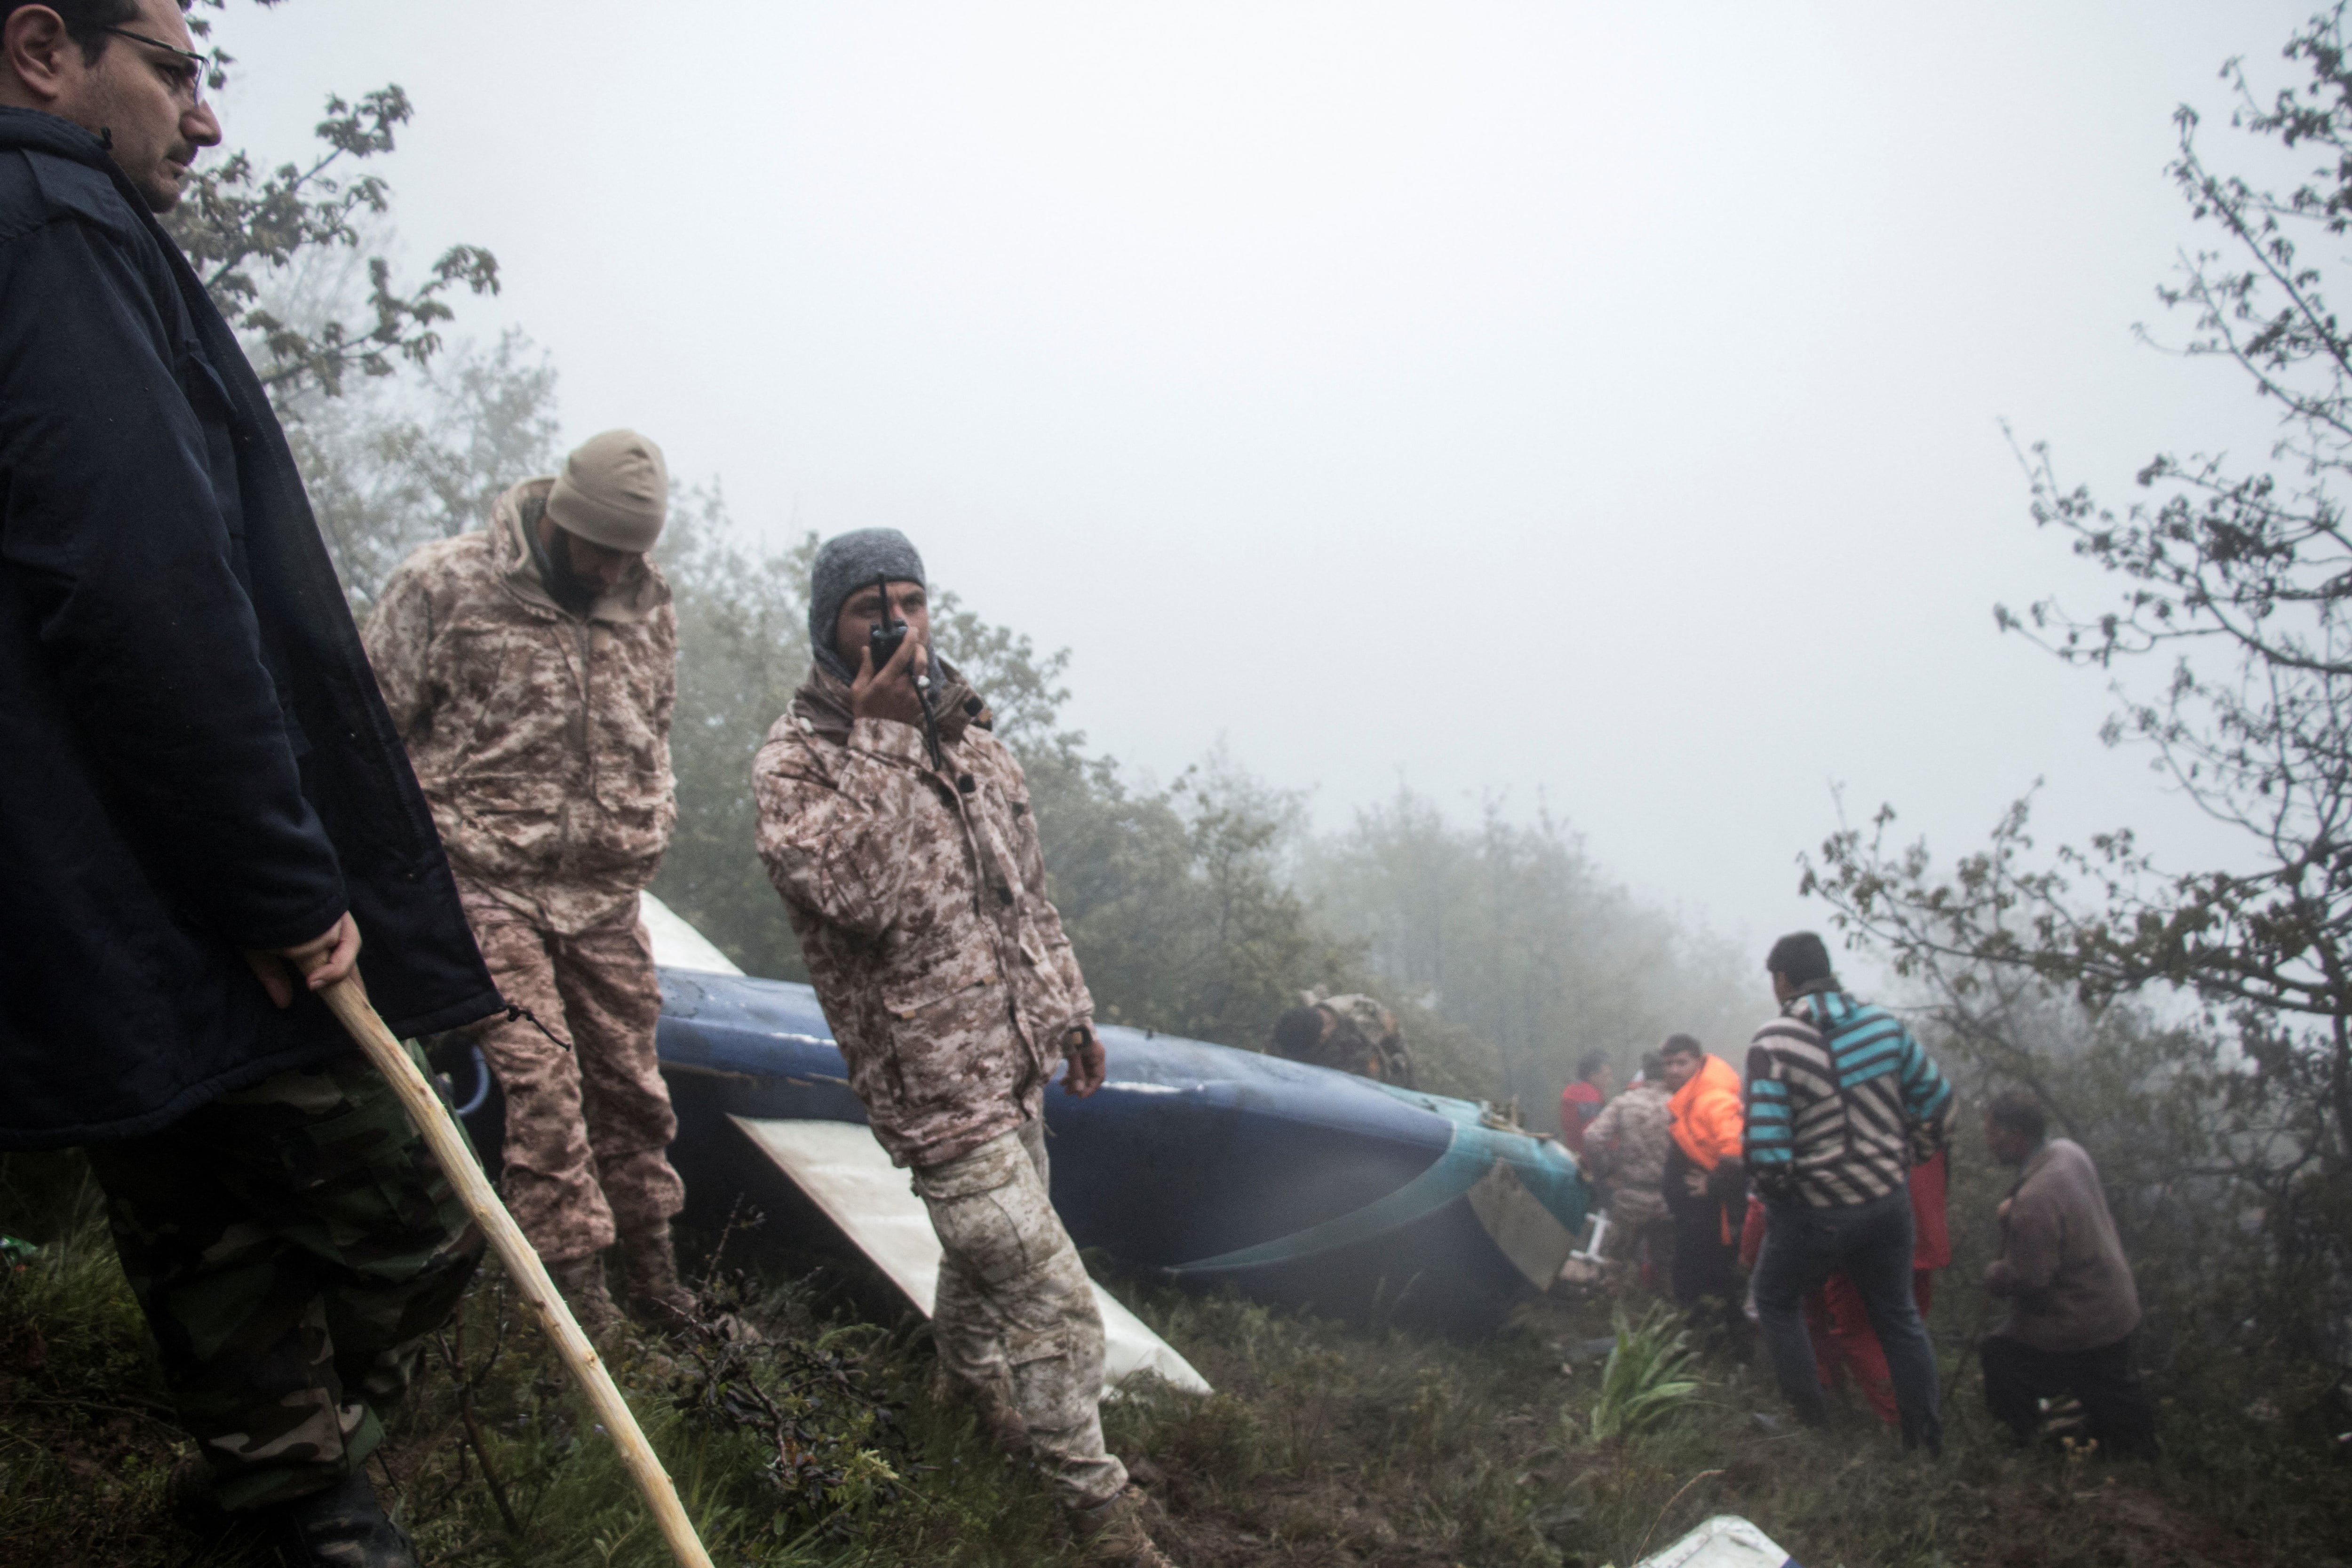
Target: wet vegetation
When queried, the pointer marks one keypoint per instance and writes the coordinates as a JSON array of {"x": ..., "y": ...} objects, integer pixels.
[{"x": 1561, "y": 1440}]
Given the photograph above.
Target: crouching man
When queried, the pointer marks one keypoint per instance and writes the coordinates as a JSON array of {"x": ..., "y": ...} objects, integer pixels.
[
  {"x": 2072, "y": 1301},
  {"x": 909, "y": 861},
  {"x": 531, "y": 666}
]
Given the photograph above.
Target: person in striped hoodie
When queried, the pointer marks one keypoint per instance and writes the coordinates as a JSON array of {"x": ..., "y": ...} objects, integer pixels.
[{"x": 1841, "y": 1101}]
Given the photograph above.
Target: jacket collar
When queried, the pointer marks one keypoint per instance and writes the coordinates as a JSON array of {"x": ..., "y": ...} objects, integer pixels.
[
  {"x": 37, "y": 130},
  {"x": 638, "y": 597},
  {"x": 2029, "y": 1168},
  {"x": 1803, "y": 1006},
  {"x": 823, "y": 702}
]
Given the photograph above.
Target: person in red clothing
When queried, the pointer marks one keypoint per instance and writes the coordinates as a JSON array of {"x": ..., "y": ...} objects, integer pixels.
[
  {"x": 1834, "y": 1316},
  {"x": 1580, "y": 1102}
]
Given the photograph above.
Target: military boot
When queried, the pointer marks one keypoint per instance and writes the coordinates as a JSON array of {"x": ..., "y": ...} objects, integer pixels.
[
  {"x": 342, "y": 1527},
  {"x": 581, "y": 1282},
  {"x": 650, "y": 1286},
  {"x": 1111, "y": 1534}
]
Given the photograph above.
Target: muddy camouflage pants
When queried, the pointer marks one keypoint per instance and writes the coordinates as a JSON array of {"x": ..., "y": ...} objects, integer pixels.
[
  {"x": 1016, "y": 1312},
  {"x": 290, "y": 1244},
  {"x": 587, "y": 1129}
]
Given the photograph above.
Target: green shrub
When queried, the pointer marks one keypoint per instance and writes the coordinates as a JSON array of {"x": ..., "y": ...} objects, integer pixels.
[{"x": 1649, "y": 1375}]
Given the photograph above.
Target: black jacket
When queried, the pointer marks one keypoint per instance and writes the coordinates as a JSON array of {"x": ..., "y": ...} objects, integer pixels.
[{"x": 192, "y": 757}]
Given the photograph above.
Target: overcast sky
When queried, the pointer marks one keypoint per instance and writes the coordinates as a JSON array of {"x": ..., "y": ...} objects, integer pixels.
[{"x": 1591, "y": 403}]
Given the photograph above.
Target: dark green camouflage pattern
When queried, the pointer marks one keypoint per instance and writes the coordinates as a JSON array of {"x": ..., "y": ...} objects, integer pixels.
[{"x": 290, "y": 1244}]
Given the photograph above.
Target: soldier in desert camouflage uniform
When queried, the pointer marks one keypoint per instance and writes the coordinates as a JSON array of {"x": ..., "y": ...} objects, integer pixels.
[
  {"x": 531, "y": 669},
  {"x": 1625, "y": 1150},
  {"x": 916, "y": 885},
  {"x": 1351, "y": 1032}
]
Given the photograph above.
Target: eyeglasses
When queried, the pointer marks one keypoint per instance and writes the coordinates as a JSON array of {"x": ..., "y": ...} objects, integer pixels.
[{"x": 191, "y": 75}]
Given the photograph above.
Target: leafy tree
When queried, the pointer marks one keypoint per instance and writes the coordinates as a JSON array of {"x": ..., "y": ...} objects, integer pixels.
[
  {"x": 1180, "y": 900},
  {"x": 2243, "y": 576},
  {"x": 2238, "y": 577},
  {"x": 285, "y": 254},
  {"x": 391, "y": 465},
  {"x": 1512, "y": 935},
  {"x": 239, "y": 226}
]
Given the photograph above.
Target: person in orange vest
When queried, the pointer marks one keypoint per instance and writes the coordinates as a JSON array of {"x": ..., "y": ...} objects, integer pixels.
[{"x": 1705, "y": 1179}]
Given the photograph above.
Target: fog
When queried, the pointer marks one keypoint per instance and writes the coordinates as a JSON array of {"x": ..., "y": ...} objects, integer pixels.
[{"x": 1542, "y": 404}]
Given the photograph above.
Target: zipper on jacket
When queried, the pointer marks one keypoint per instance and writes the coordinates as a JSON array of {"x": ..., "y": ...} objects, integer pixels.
[
  {"x": 580, "y": 743},
  {"x": 961, "y": 802}
]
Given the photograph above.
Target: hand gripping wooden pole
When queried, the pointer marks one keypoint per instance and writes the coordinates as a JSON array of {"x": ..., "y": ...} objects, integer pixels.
[{"x": 432, "y": 1118}]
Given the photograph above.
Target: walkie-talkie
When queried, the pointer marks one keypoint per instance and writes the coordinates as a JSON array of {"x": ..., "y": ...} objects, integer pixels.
[
  {"x": 884, "y": 639},
  {"x": 882, "y": 643}
]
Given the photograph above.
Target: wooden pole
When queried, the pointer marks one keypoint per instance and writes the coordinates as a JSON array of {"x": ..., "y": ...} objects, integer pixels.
[{"x": 432, "y": 1119}]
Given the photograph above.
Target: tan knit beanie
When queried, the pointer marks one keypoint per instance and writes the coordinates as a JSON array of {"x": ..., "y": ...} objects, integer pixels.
[{"x": 613, "y": 492}]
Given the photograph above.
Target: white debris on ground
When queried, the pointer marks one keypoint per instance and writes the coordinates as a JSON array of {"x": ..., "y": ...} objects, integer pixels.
[{"x": 1727, "y": 1540}]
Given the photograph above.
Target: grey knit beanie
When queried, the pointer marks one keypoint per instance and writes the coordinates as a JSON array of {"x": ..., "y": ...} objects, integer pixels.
[
  {"x": 613, "y": 492},
  {"x": 845, "y": 563}
]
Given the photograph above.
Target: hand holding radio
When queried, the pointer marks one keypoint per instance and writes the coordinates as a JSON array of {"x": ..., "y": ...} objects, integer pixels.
[
  {"x": 894, "y": 679},
  {"x": 888, "y": 668}
]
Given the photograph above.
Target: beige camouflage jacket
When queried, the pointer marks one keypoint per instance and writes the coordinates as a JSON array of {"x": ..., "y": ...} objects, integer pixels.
[
  {"x": 541, "y": 737},
  {"x": 921, "y": 910},
  {"x": 1625, "y": 1148}
]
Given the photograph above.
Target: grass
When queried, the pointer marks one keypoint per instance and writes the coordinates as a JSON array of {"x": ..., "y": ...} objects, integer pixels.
[{"x": 1326, "y": 1445}]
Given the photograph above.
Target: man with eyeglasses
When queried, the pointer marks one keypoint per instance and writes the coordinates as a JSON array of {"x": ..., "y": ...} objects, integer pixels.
[{"x": 205, "y": 802}]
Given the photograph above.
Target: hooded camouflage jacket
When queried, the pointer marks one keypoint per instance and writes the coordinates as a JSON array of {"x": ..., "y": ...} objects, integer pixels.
[
  {"x": 921, "y": 910},
  {"x": 541, "y": 737}
]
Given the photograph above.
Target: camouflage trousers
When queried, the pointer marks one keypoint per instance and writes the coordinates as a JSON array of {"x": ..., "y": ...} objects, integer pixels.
[
  {"x": 290, "y": 1244},
  {"x": 587, "y": 1127},
  {"x": 1016, "y": 1312}
]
